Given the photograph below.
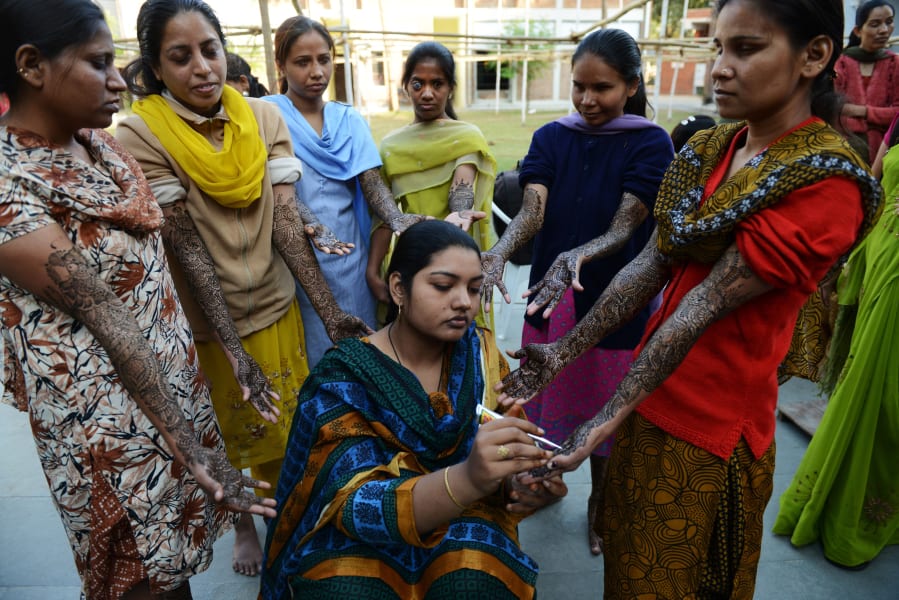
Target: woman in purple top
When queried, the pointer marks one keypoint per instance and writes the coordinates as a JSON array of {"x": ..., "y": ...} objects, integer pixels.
[{"x": 590, "y": 181}]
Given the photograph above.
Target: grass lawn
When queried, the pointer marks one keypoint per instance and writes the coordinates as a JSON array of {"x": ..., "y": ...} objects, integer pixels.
[{"x": 505, "y": 134}]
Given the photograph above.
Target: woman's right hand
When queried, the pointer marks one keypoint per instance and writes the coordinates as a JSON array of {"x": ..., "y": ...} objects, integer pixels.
[
  {"x": 219, "y": 479},
  {"x": 502, "y": 448},
  {"x": 493, "y": 265}
]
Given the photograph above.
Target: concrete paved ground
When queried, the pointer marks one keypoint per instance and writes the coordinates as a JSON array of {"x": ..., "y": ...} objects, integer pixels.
[{"x": 36, "y": 563}]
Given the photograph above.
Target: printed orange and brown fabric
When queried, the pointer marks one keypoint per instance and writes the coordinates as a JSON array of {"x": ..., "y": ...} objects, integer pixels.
[{"x": 88, "y": 430}]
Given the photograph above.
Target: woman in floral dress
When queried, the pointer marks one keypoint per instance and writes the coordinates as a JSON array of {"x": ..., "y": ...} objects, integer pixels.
[{"x": 96, "y": 347}]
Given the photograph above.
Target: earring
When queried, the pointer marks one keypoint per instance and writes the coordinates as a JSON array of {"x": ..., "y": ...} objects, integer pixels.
[
  {"x": 21, "y": 71},
  {"x": 399, "y": 312}
]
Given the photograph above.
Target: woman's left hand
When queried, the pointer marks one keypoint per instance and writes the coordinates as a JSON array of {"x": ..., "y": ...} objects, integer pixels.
[
  {"x": 561, "y": 275},
  {"x": 464, "y": 218},
  {"x": 255, "y": 387},
  {"x": 344, "y": 325},
  {"x": 527, "y": 498},
  {"x": 325, "y": 240}
]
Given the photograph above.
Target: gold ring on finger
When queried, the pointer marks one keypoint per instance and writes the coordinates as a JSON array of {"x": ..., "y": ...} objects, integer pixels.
[{"x": 503, "y": 452}]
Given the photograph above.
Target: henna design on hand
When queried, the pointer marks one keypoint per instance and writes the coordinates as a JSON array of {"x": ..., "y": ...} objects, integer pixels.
[
  {"x": 564, "y": 271},
  {"x": 319, "y": 234},
  {"x": 212, "y": 469},
  {"x": 493, "y": 265},
  {"x": 184, "y": 241},
  {"x": 289, "y": 240}
]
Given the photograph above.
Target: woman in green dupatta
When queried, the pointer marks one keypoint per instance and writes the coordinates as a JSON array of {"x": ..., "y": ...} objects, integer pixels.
[
  {"x": 438, "y": 166},
  {"x": 390, "y": 488},
  {"x": 846, "y": 490}
]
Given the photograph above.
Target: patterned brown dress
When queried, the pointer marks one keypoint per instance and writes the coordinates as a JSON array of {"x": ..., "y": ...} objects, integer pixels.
[{"x": 129, "y": 510}]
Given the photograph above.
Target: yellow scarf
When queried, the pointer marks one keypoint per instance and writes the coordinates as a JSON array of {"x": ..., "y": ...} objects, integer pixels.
[{"x": 231, "y": 176}]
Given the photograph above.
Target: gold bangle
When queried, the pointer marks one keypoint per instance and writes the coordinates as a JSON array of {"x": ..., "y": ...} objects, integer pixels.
[{"x": 449, "y": 492}]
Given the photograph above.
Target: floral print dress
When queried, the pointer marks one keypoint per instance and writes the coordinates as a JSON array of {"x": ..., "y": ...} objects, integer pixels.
[{"x": 130, "y": 511}]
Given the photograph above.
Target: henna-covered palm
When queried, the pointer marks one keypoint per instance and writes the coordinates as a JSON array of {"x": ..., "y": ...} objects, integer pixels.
[
  {"x": 256, "y": 388},
  {"x": 225, "y": 484},
  {"x": 464, "y": 219},
  {"x": 324, "y": 239},
  {"x": 493, "y": 265},
  {"x": 344, "y": 325},
  {"x": 543, "y": 363},
  {"x": 561, "y": 275}
]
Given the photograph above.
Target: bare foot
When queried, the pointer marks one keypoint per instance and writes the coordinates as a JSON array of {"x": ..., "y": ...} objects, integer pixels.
[
  {"x": 593, "y": 503},
  {"x": 247, "y": 558}
]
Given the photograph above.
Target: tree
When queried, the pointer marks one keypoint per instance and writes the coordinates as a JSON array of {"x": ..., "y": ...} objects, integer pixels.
[{"x": 675, "y": 15}]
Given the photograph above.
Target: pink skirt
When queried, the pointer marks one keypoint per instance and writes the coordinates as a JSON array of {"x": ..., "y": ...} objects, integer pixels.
[{"x": 582, "y": 388}]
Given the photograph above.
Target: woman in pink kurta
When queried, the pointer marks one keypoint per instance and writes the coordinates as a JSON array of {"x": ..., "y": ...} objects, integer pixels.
[{"x": 867, "y": 74}]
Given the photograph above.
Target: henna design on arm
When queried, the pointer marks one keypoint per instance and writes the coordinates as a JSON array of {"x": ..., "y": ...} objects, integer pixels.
[
  {"x": 729, "y": 285},
  {"x": 522, "y": 228},
  {"x": 80, "y": 292},
  {"x": 290, "y": 241},
  {"x": 461, "y": 196},
  {"x": 565, "y": 270},
  {"x": 185, "y": 242},
  {"x": 382, "y": 202},
  {"x": 628, "y": 292}
]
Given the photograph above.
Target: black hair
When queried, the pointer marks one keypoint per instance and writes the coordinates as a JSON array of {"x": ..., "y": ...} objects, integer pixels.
[
  {"x": 620, "y": 51},
  {"x": 684, "y": 130},
  {"x": 154, "y": 15},
  {"x": 446, "y": 62},
  {"x": 861, "y": 17},
  {"x": 287, "y": 34},
  {"x": 51, "y": 27},
  {"x": 803, "y": 20},
  {"x": 417, "y": 246},
  {"x": 237, "y": 68}
]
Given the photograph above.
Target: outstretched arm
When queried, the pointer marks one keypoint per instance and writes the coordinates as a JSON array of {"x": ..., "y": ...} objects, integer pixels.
[
  {"x": 46, "y": 263},
  {"x": 729, "y": 285},
  {"x": 383, "y": 204},
  {"x": 523, "y": 227},
  {"x": 184, "y": 241},
  {"x": 290, "y": 241},
  {"x": 566, "y": 268},
  {"x": 628, "y": 292}
]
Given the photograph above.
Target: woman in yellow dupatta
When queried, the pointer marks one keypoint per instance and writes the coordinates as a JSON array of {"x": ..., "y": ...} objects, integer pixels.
[
  {"x": 437, "y": 166},
  {"x": 222, "y": 168}
]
